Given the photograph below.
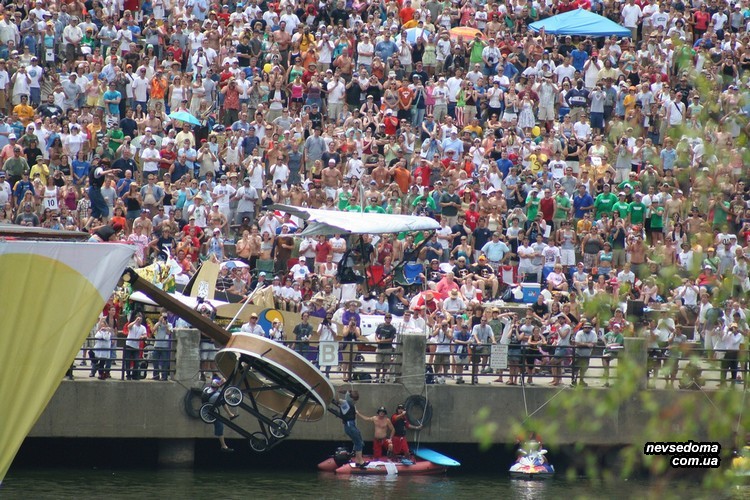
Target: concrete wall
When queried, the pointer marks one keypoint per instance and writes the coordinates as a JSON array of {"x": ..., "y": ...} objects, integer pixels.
[
  {"x": 144, "y": 409},
  {"x": 155, "y": 410}
]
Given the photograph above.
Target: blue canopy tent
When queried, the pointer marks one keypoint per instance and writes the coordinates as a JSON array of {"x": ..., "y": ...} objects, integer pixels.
[{"x": 580, "y": 22}]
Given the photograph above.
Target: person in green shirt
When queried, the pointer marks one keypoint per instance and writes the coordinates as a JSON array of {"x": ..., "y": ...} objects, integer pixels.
[
  {"x": 430, "y": 201},
  {"x": 613, "y": 341},
  {"x": 115, "y": 136},
  {"x": 563, "y": 208},
  {"x": 477, "y": 46},
  {"x": 374, "y": 207},
  {"x": 632, "y": 182},
  {"x": 532, "y": 204},
  {"x": 657, "y": 223},
  {"x": 636, "y": 210},
  {"x": 344, "y": 196},
  {"x": 721, "y": 211},
  {"x": 621, "y": 206},
  {"x": 604, "y": 202}
]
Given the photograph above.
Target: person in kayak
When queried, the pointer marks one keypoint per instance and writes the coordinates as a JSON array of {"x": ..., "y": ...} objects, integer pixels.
[
  {"x": 384, "y": 431},
  {"x": 400, "y": 425},
  {"x": 347, "y": 412}
]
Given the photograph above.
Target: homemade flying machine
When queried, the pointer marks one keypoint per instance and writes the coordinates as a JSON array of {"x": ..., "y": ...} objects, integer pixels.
[{"x": 272, "y": 383}]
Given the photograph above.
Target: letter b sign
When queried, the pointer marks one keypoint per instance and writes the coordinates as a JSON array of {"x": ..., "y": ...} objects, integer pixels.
[{"x": 328, "y": 354}]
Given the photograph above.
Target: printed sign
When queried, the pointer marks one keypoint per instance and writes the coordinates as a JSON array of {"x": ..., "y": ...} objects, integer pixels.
[
  {"x": 499, "y": 357},
  {"x": 328, "y": 353}
]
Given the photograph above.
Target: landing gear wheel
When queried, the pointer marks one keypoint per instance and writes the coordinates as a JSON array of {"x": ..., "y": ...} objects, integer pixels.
[
  {"x": 258, "y": 442},
  {"x": 233, "y": 396},
  {"x": 279, "y": 428},
  {"x": 206, "y": 413}
]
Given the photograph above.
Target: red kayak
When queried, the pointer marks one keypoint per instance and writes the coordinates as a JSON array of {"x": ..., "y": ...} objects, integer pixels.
[{"x": 384, "y": 466}]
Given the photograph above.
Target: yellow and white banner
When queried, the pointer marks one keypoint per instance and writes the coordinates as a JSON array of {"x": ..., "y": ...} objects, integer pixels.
[{"x": 51, "y": 294}]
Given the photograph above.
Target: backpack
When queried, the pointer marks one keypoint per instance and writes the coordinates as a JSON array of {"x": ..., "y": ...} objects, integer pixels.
[{"x": 429, "y": 375}]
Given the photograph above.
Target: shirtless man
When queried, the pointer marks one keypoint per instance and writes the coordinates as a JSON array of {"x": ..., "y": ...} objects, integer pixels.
[
  {"x": 332, "y": 178},
  {"x": 675, "y": 205},
  {"x": 374, "y": 192},
  {"x": 316, "y": 197},
  {"x": 383, "y": 432},
  {"x": 151, "y": 122},
  {"x": 297, "y": 196},
  {"x": 282, "y": 39},
  {"x": 380, "y": 175}
]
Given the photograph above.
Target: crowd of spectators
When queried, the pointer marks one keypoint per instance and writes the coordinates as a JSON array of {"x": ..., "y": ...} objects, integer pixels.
[{"x": 596, "y": 167}]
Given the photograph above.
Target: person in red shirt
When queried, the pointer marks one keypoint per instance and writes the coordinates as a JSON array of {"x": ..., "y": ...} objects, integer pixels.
[
  {"x": 547, "y": 206},
  {"x": 423, "y": 171},
  {"x": 322, "y": 250},
  {"x": 390, "y": 122},
  {"x": 176, "y": 51},
  {"x": 406, "y": 13},
  {"x": 400, "y": 425},
  {"x": 472, "y": 216},
  {"x": 701, "y": 18}
]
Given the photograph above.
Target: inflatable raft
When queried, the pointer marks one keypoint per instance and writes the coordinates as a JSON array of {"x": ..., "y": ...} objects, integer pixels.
[
  {"x": 383, "y": 467},
  {"x": 342, "y": 464}
]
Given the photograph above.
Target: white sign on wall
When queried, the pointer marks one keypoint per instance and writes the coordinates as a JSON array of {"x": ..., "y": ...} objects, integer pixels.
[
  {"x": 328, "y": 353},
  {"x": 499, "y": 357}
]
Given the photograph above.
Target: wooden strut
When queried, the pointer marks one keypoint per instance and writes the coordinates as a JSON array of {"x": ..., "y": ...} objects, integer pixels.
[{"x": 197, "y": 320}]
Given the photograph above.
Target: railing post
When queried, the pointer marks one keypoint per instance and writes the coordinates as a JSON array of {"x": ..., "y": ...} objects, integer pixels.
[
  {"x": 412, "y": 348},
  {"x": 187, "y": 356},
  {"x": 636, "y": 352}
]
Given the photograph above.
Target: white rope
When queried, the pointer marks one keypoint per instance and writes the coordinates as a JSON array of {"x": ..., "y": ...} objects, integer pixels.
[{"x": 247, "y": 300}]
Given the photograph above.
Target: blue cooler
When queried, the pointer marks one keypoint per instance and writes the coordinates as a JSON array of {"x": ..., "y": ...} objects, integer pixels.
[{"x": 530, "y": 292}]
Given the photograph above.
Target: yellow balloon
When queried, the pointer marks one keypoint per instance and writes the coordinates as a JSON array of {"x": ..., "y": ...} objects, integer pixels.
[
  {"x": 536, "y": 131},
  {"x": 543, "y": 158}
]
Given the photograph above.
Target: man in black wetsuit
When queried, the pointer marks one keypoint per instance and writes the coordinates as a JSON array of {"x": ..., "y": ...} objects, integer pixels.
[{"x": 348, "y": 414}]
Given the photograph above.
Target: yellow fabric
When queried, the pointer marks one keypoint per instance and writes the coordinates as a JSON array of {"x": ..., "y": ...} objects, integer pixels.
[{"x": 48, "y": 308}]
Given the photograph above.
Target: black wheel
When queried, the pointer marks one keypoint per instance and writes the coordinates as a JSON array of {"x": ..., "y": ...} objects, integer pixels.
[
  {"x": 233, "y": 396},
  {"x": 279, "y": 428},
  {"x": 207, "y": 413},
  {"x": 258, "y": 442}
]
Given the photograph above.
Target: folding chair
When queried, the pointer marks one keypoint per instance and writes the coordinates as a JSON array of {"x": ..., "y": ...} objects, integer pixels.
[
  {"x": 409, "y": 275},
  {"x": 375, "y": 276},
  {"x": 266, "y": 266}
]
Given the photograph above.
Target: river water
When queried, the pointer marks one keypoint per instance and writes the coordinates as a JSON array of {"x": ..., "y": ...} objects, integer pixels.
[{"x": 58, "y": 483}]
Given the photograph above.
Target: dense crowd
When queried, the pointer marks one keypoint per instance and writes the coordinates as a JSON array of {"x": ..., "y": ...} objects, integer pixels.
[{"x": 596, "y": 167}]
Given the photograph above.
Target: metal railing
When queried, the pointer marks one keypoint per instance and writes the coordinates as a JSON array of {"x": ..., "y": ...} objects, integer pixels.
[
  {"x": 690, "y": 367},
  {"x": 535, "y": 365},
  {"x": 123, "y": 362},
  {"x": 357, "y": 361}
]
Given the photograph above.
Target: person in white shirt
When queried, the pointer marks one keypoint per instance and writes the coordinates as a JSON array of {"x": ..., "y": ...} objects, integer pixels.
[
  {"x": 280, "y": 172},
  {"x": 731, "y": 341},
  {"x": 222, "y": 194},
  {"x": 35, "y": 73},
  {"x": 291, "y": 20},
  {"x": 631, "y": 18},
  {"x": 365, "y": 51},
  {"x": 336, "y": 90},
  {"x": 73, "y": 142},
  {"x": 252, "y": 327},
  {"x": 72, "y": 36},
  {"x": 150, "y": 158},
  {"x": 140, "y": 87},
  {"x": 526, "y": 255},
  {"x": 136, "y": 333},
  {"x": 300, "y": 271},
  {"x": 246, "y": 196}
]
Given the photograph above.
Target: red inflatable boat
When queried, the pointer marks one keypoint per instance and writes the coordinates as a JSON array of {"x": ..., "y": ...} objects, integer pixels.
[{"x": 383, "y": 467}]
